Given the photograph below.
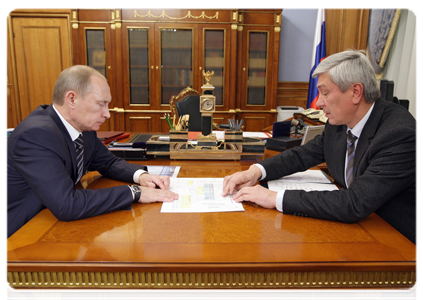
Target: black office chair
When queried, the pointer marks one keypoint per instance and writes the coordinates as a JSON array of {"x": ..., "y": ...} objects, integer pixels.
[
  {"x": 387, "y": 93},
  {"x": 187, "y": 102}
]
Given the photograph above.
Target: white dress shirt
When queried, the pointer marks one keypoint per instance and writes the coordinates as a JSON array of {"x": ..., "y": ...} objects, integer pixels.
[{"x": 74, "y": 134}]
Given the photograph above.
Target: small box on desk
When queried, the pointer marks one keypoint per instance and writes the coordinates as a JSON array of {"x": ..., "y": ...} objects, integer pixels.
[
  {"x": 282, "y": 143},
  {"x": 130, "y": 154},
  {"x": 281, "y": 139}
]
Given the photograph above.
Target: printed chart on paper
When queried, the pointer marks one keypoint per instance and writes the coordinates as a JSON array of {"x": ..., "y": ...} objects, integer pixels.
[{"x": 199, "y": 195}]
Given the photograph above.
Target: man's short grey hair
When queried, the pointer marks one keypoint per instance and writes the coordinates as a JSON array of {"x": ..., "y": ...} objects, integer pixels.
[
  {"x": 349, "y": 67},
  {"x": 76, "y": 78}
]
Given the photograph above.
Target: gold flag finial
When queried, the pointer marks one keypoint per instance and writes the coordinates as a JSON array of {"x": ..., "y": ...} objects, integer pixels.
[{"x": 208, "y": 76}]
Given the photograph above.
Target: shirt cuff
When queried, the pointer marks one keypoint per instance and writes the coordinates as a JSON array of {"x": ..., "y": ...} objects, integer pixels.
[
  {"x": 279, "y": 200},
  {"x": 263, "y": 171},
  {"x": 137, "y": 175}
]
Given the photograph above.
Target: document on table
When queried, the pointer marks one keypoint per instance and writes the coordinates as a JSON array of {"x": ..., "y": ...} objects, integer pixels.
[
  {"x": 171, "y": 171},
  {"x": 199, "y": 195},
  {"x": 310, "y": 180}
]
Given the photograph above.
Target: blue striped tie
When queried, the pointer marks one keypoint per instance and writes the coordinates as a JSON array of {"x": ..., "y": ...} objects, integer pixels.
[
  {"x": 79, "y": 146},
  {"x": 351, "y": 153}
]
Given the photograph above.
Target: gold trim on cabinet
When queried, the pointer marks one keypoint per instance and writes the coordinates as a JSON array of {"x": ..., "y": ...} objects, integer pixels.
[
  {"x": 234, "y": 26},
  {"x": 75, "y": 25},
  {"x": 161, "y": 111},
  {"x": 256, "y": 111},
  {"x": 217, "y": 280},
  {"x": 188, "y": 15},
  {"x": 277, "y": 29},
  {"x": 278, "y": 19},
  {"x": 240, "y": 28}
]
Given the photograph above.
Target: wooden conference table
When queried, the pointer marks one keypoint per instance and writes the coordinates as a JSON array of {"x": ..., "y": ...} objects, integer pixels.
[{"x": 258, "y": 248}]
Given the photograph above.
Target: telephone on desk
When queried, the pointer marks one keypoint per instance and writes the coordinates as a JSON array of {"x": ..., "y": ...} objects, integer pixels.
[{"x": 315, "y": 114}]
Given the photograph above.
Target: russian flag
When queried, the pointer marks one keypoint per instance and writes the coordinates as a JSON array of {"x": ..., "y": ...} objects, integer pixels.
[{"x": 319, "y": 53}]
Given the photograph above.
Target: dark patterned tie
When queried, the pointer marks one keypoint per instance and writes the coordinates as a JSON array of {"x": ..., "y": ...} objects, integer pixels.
[
  {"x": 79, "y": 146},
  {"x": 351, "y": 153}
]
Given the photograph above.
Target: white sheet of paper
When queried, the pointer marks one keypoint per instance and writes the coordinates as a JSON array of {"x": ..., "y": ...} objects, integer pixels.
[
  {"x": 199, "y": 195},
  {"x": 171, "y": 171},
  {"x": 315, "y": 176},
  {"x": 310, "y": 180},
  {"x": 306, "y": 186}
]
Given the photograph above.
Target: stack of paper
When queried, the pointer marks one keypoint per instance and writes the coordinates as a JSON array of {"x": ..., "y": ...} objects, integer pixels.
[{"x": 310, "y": 180}]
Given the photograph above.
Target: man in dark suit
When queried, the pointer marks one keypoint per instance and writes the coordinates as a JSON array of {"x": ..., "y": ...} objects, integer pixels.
[
  {"x": 377, "y": 174},
  {"x": 45, "y": 148}
]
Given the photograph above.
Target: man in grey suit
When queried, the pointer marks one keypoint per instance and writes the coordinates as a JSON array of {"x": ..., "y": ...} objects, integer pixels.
[
  {"x": 376, "y": 174},
  {"x": 56, "y": 144}
]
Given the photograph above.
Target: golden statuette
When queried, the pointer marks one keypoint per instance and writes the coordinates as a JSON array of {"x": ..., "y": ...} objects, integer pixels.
[{"x": 208, "y": 76}]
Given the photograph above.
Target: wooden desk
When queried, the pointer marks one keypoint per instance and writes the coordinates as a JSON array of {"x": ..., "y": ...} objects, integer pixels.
[{"x": 258, "y": 248}]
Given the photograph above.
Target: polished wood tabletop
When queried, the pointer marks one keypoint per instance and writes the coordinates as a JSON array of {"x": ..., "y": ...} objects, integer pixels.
[{"x": 257, "y": 248}]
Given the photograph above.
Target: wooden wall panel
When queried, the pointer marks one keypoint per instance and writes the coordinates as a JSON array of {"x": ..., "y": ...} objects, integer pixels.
[
  {"x": 39, "y": 59},
  {"x": 346, "y": 29},
  {"x": 292, "y": 93},
  {"x": 139, "y": 124},
  {"x": 256, "y": 122},
  {"x": 42, "y": 48}
]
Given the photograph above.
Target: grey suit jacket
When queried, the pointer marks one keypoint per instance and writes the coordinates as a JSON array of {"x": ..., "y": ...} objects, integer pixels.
[{"x": 384, "y": 171}]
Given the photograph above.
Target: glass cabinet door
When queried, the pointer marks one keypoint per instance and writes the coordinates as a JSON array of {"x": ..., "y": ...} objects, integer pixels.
[
  {"x": 96, "y": 49},
  {"x": 139, "y": 75},
  {"x": 214, "y": 60},
  {"x": 257, "y": 67},
  {"x": 176, "y": 60}
]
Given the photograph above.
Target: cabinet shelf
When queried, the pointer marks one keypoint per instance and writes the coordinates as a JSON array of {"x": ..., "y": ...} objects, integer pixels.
[
  {"x": 177, "y": 48},
  {"x": 176, "y": 67},
  {"x": 139, "y": 85}
]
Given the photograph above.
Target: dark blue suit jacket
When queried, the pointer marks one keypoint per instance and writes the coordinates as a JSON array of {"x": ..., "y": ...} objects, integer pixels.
[
  {"x": 41, "y": 172},
  {"x": 384, "y": 171}
]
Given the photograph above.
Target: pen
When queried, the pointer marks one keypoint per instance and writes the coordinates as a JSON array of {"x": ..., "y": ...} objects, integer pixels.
[
  {"x": 171, "y": 125},
  {"x": 167, "y": 119}
]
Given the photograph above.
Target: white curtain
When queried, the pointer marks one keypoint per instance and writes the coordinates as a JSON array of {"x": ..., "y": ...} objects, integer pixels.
[{"x": 400, "y": 66}]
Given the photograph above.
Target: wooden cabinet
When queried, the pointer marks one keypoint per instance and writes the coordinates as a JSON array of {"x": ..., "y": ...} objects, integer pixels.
[
  {"x": 94, "y": 46},
  {"x": 258, "y": 48},
  {"x": 167, "y": 51},
  {"x": 41, "y": 43},
  {"x": 150, "y": 55}
]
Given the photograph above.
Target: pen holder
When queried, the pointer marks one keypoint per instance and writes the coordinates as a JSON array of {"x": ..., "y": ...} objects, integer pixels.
[
  {"x": 178, "y": 136},
  {"x": 233, "y": 136}
]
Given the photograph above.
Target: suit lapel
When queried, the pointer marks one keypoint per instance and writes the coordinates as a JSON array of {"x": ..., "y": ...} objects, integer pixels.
[
  {"x": 340, "y": 150},
  {"x": 368, "y": 133},
  {"x": 71, "y": 153}
]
